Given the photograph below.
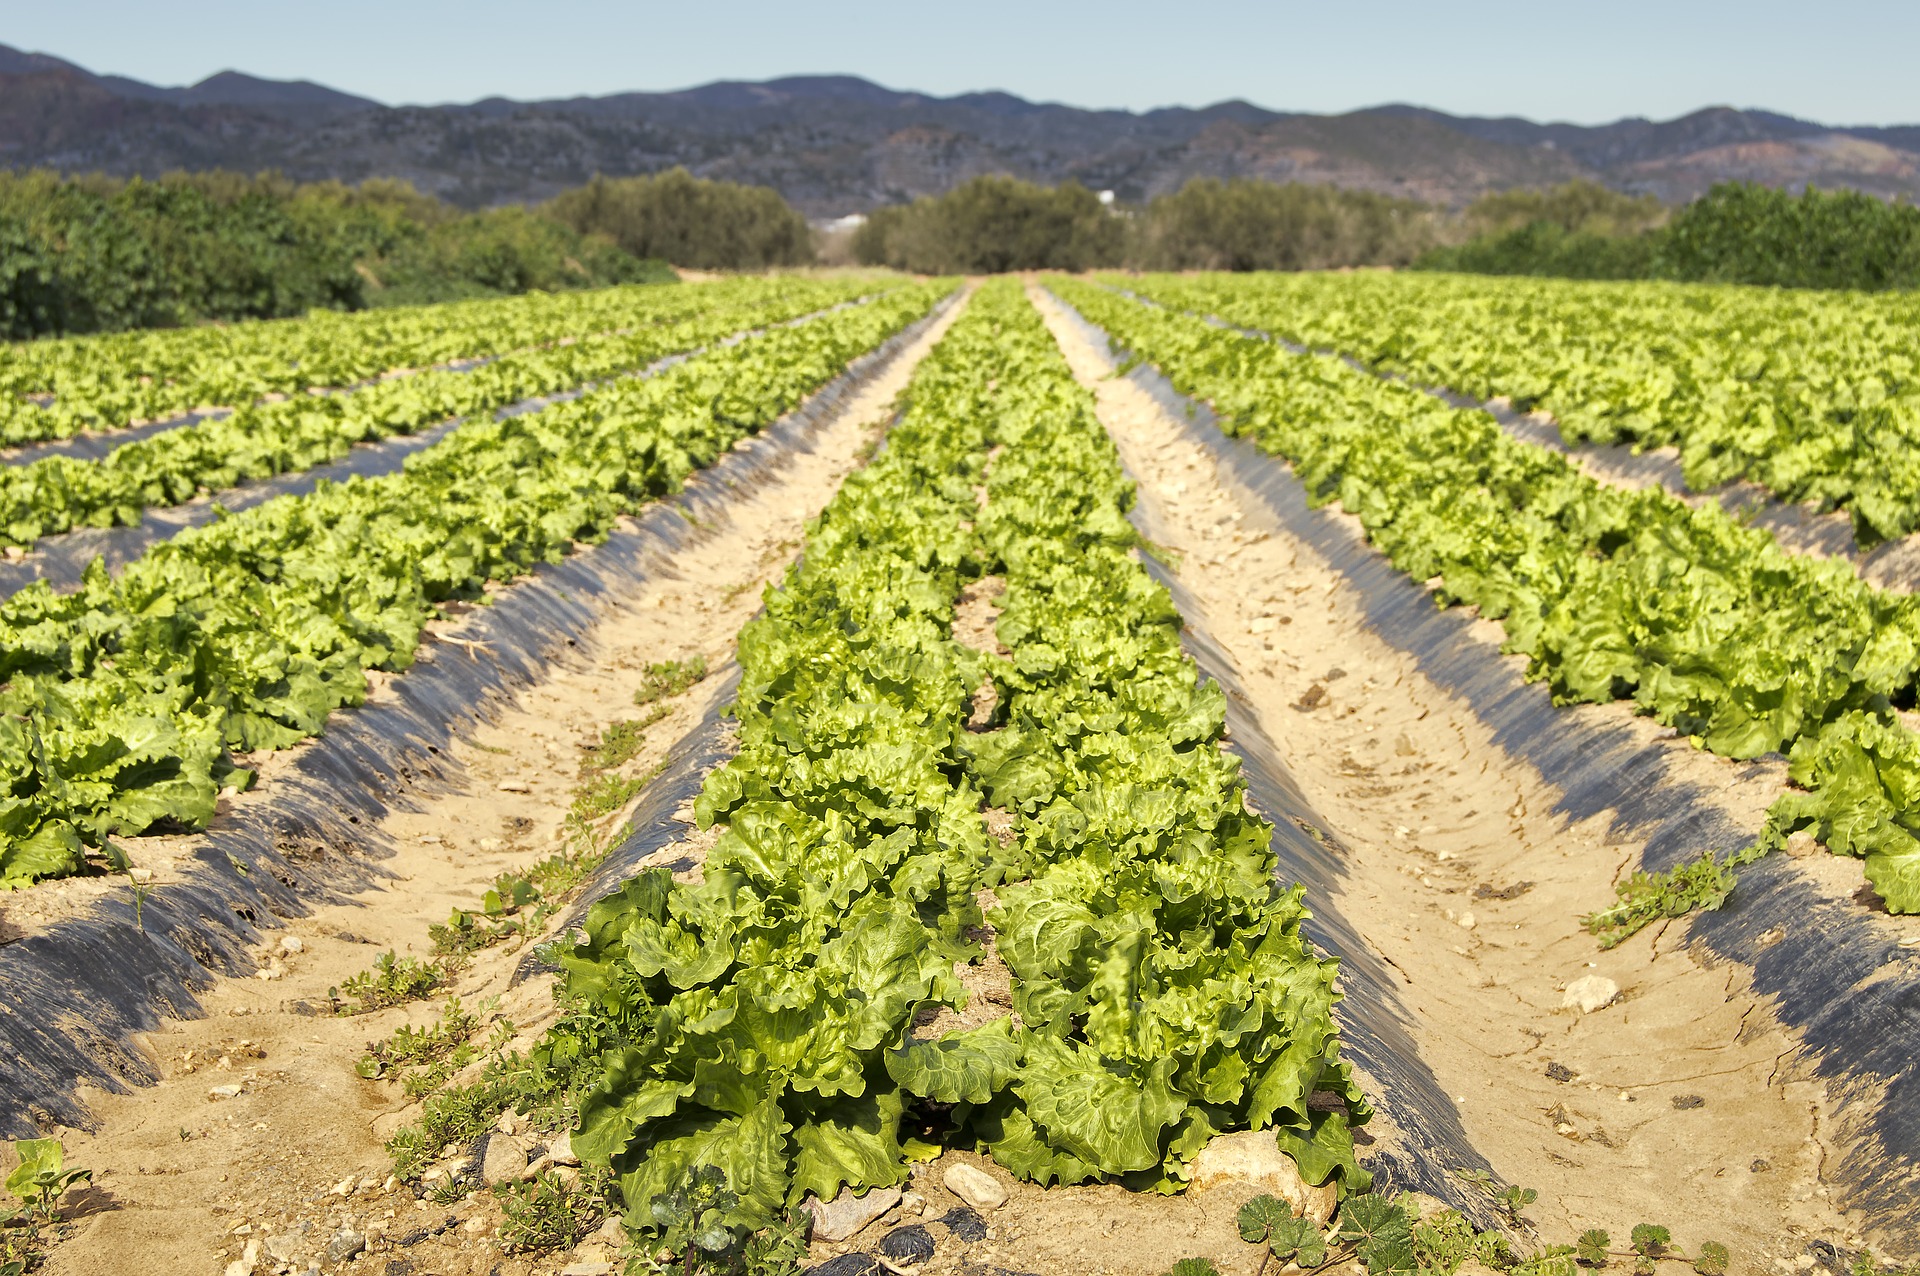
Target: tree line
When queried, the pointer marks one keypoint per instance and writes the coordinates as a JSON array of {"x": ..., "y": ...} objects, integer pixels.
[
  {"x": 1737, "y": 233},
  {"x": 95, "y": 254},
  {"x": 1001, "y": 223},
  {"x": 89, "y": 254}
]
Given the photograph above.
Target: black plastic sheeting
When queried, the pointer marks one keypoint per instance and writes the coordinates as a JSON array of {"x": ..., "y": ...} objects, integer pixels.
[
  {"x": 73, "y": 997},
  {"x": 1798, "y": 528},
  {"x": 93, "y": 445},
  {"x": 1837, "y": 979}
]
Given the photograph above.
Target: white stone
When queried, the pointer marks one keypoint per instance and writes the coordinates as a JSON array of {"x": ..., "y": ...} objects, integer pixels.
[
  {"x": 846, "y": 1214},
  {"x": 506, "y": 1160},
  {"x": 291, "y": 944},
  {"x": 974, "y": 1186},
  {"x": 560, "y": 1151},
  {"x": 1590, "y": 993},
  {"x": 1254, "y": 1158}
]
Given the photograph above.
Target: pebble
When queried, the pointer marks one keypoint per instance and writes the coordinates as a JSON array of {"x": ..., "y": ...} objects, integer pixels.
[
  {"x": 1466, "y": 921},
  {"x": 1253, "y": 1157},
  {"x": 504, "y": 1160},
  {"x": 1590, "y": 993},
  {"x": 291, "y": 944},
  {"x": 283, "y": 1247},
  {"x": 248, "y": 1260},
  {"x": 344, "y": 1245},
  {"x": 560, "y": 1151},
  {"x": 974, "y": 1186},
  {"x": 846, "y": 1214},
  {"x": 587, "y": 1267},
  {"x": 225, "y": 1092},
  {"x": 514, "y": 786}
]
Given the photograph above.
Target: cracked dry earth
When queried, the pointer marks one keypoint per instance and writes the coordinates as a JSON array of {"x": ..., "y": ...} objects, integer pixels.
[
  {"x": 1675, "y": 1104},
  {"x": 261, "y": 1145}
]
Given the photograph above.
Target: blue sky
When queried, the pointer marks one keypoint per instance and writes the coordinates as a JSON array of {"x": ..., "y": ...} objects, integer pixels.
[{"x": 1843, "y": 62}]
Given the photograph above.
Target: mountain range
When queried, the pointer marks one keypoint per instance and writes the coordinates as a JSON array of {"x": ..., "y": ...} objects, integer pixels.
[{"x": 839, "y": 144}]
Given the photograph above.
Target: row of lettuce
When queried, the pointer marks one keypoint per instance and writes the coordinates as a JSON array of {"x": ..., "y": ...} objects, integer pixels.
[
  {"x": 1703, "y": 623},
  {"x": 123, "y": 702},
  {"x": 261, "y": 440},
  {"x": 778, "y": 1022},
  {"x": 1813, "y": 395},
  {"x": 57, "y": 388}
]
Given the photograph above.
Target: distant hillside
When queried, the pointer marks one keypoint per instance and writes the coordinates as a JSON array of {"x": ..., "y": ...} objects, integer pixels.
[{"x": 836, "y": 144}]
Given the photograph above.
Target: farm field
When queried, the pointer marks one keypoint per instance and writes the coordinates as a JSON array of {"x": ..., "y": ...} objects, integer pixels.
[
  {"x": 1813, "y": 396},
  {"x": 850, "y": 773}
]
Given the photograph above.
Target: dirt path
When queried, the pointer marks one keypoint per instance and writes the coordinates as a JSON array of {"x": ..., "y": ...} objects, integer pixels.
[
  {"x": 190, "y": 1177},
  {"x": 1672, "y": 1104}
]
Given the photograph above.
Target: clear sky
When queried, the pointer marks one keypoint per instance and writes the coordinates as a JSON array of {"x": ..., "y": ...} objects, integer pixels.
[{"x": 1841, "y": 62}]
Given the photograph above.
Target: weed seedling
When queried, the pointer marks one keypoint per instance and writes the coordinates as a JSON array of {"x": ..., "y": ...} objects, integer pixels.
[
  {"x": 41, "y": 1178},
  {"x": 1646, "y": 897},
  {"x": 392, "y": 981},
  {"x": 669, "y": 678},
  {"x": 545, "y": 1214}
]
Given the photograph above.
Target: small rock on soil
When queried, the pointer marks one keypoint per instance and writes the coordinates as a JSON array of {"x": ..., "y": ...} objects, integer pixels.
[
  {"x": 1590, "y": 993},
  {"x": 1253, "y": 1157},
  {"x": 974, "y": 1186},
  {"x": 846, "y": 1213}
]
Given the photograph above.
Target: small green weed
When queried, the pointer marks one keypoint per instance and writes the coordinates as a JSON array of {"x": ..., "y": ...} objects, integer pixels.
[
  {"x": 669, "y": 678},
  {"x": 442, "y": 1047},
  {"x": 392, "y": 981},
  {"x": 605, "y": 795},
  {"x": 546, "y": 1214},
  {"x": 1646, "y": 897},
  {"x": 38, "y": 1180},
  {"x": 1194, "y": 1267}
]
